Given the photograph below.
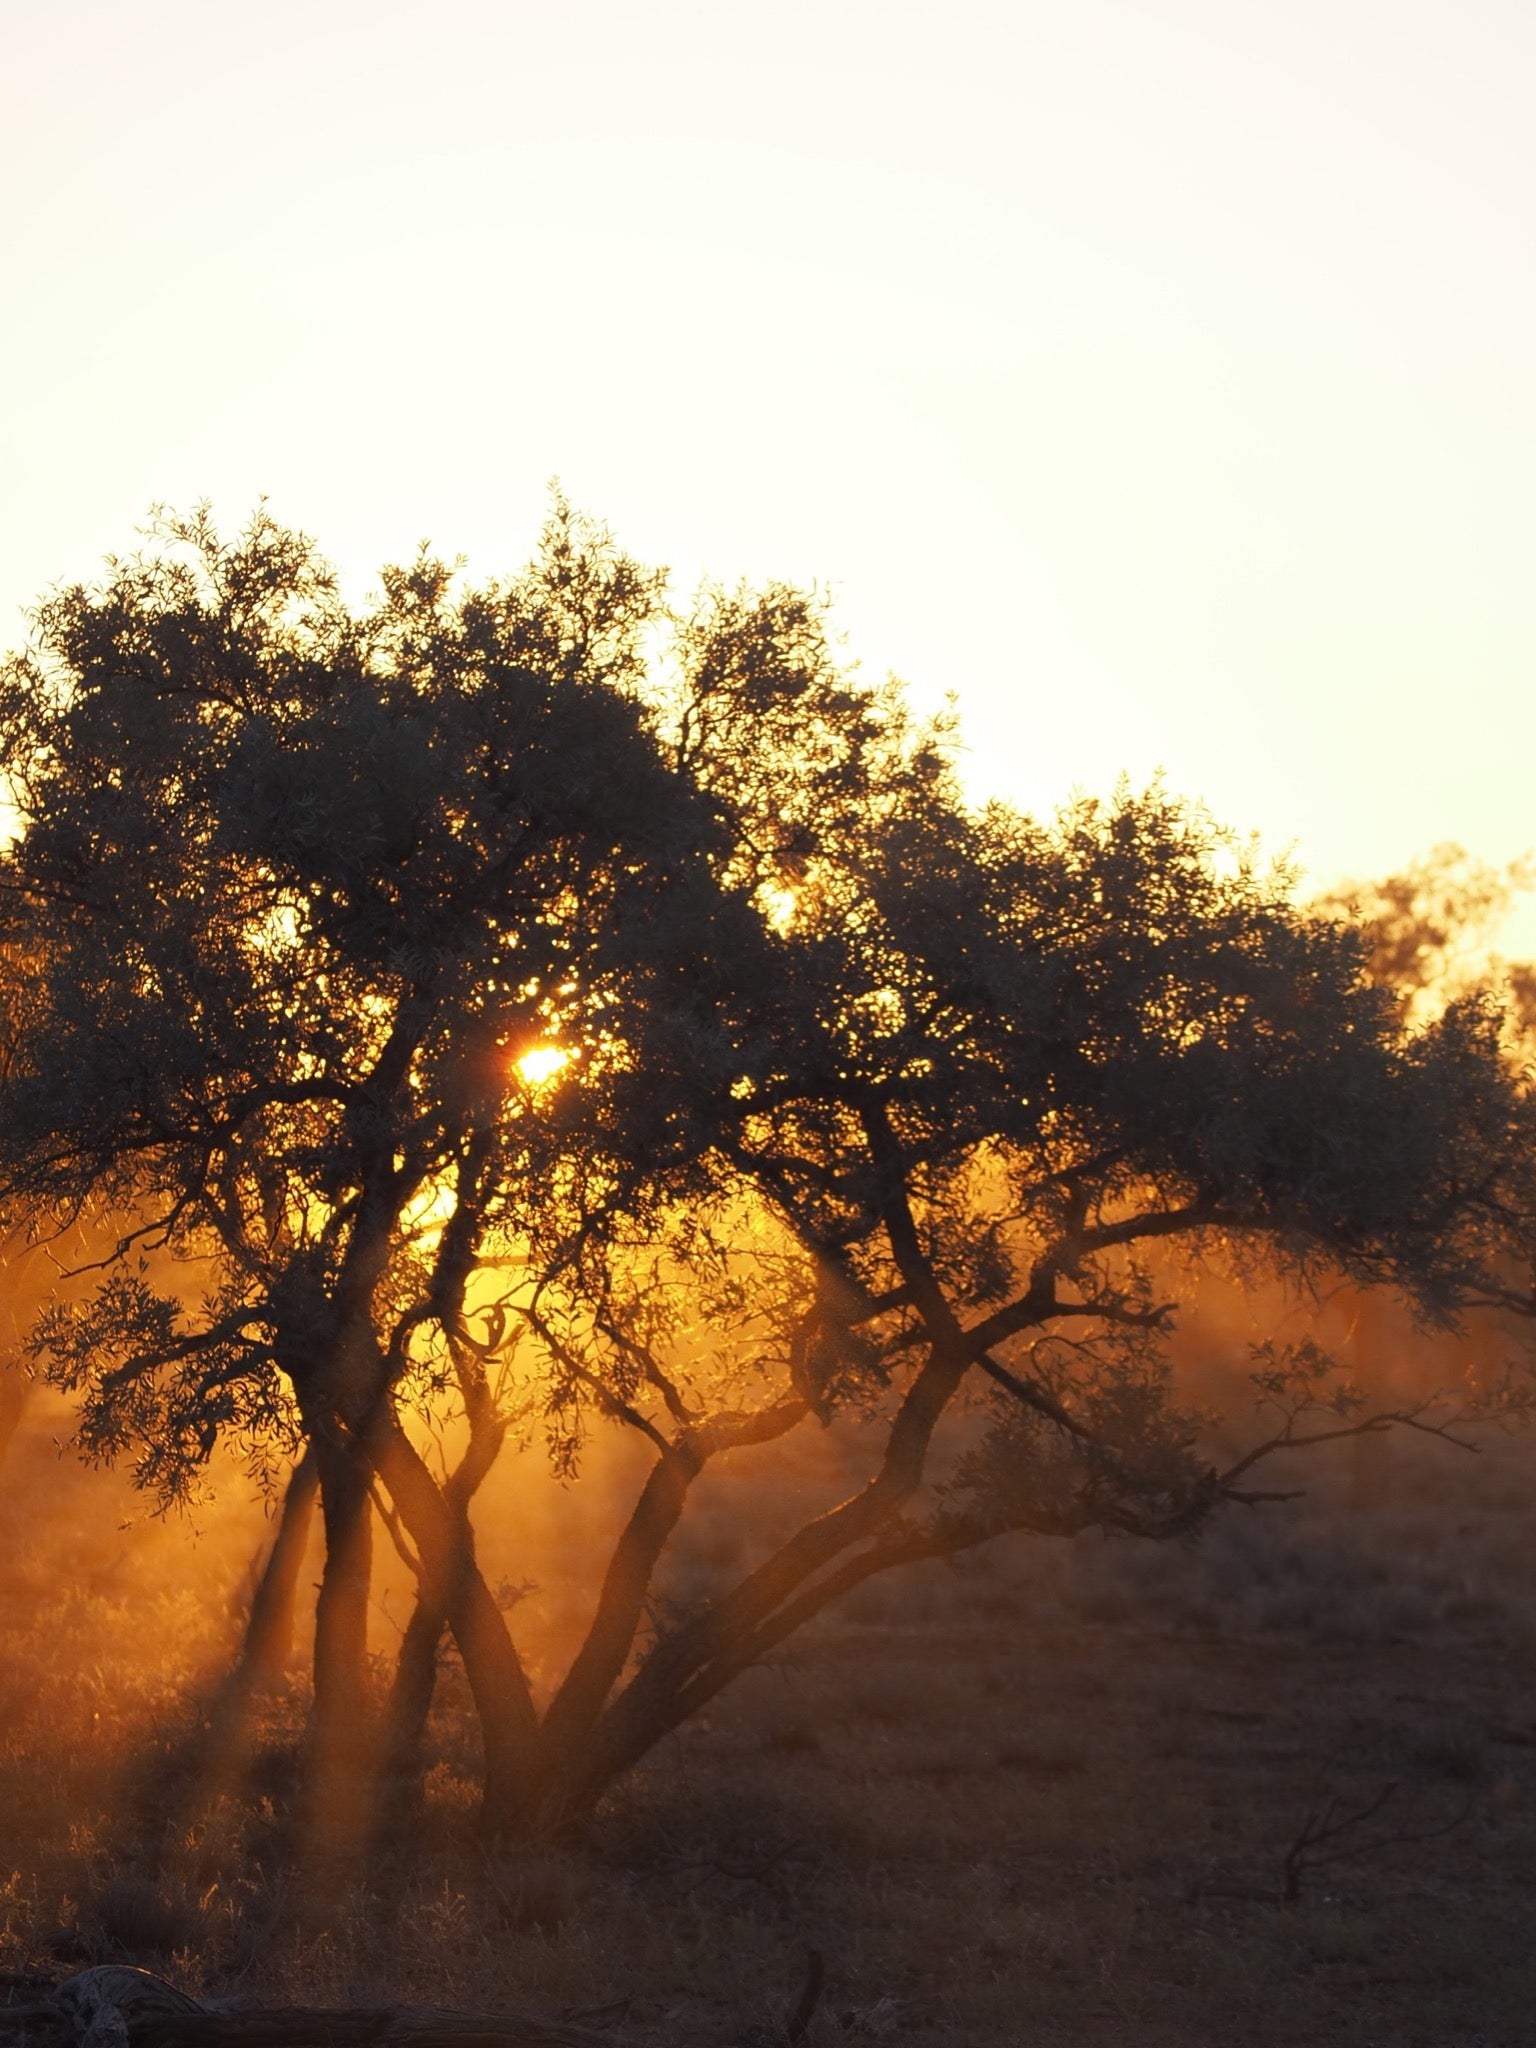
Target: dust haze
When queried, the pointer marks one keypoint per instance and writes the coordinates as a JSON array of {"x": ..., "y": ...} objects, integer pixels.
[{"x": 665, "y": 1383}]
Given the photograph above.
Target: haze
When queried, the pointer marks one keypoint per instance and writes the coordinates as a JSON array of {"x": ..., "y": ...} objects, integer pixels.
[{"x": 1157, "y": 378}]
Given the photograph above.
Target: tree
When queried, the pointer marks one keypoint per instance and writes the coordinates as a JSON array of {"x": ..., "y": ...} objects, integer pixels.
[
  {"x": 1429, "y": 928},
  {"x": 459, "y": 982},
  {"x": 304, "y": 887},
  {"x": 314, "y": 905},
  {"x": 985, "y": 1066}
]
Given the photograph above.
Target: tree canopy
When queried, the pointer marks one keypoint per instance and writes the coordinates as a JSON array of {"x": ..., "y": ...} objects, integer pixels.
[
  {"x": 302, "y": 889},
  {"x": 533, "y": 972}
]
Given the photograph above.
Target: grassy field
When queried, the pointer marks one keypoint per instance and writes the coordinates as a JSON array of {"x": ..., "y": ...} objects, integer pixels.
[{"x": 1054, "y": 1795}]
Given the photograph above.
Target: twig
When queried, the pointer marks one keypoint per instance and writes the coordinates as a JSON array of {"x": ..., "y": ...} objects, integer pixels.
[{"x": 1335, "y": 1822}]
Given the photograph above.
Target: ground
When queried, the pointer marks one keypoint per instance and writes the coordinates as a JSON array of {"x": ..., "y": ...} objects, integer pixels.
[{"x": 1047, "y": 1797}]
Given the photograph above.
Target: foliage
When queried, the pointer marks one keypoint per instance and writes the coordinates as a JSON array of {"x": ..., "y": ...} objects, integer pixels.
[
  {"x": 855, "y": 1096},
  {"x": 301, "y": 886},
  {"x": 1430, "y": 927}
]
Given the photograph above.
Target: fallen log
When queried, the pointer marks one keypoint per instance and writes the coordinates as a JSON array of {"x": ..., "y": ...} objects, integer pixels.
[
  {"x": 117, "y": 2007},
  {"x": 408, "y": 2026},
  {"x": 114, "y": 2006}
]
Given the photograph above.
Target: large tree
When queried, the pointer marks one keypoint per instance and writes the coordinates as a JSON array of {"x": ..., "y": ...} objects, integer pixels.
[
  {"x": 314, "y": 904},
  {"x": 981, "y": 1071},
  {"x": 300, "y": 891},
  {"x": 462, "y": 972}
]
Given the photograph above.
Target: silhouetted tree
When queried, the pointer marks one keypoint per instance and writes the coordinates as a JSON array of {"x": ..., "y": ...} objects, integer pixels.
[
  {"x": 869, "y": 1098},
  {"x": 300, "y": 891},
  {"x": 1429, "y": 928},
  {"x": 303, "y": 886},
  {"x": 983, "y": 1064}
]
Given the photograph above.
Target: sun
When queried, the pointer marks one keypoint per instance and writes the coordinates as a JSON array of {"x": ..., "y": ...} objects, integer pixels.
[
  {"x": 541, "y": 1063},
  {"x": 779, "y": 902}
]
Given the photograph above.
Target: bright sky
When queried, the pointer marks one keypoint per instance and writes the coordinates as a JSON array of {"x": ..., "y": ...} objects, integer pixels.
[{"x": 1159, "y": 377}]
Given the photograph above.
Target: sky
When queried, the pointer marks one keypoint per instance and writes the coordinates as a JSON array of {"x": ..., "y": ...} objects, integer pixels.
[{"x": 1158, "y": 376}]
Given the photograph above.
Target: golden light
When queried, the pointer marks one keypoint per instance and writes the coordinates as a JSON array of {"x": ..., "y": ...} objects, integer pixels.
[
  {"x": 541, "y": 1063},
  {"x": 779, "y": 903},
  {"x": 427, "y": 1216}
]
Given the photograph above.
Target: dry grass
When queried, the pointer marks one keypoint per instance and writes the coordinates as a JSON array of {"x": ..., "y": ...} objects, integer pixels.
[{"x": 1042, "y": 1798}]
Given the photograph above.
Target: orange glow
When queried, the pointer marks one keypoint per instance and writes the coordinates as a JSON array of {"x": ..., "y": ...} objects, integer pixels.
[
  {"x": 541, "y": 1063},
  {"x": 427, "y": 1216},
  {"x": 779, "y": 903}
]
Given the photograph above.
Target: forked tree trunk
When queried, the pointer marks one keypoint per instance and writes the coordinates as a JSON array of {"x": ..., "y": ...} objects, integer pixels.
[
  {"x": 269, "y": 1630},
  {"x": 415, "y": 1681},
  {"x": 508, "y": 1732},
  {"x": 578, "y": 1704},
  {"x": 453, "y": 1588},
  {"x": 410, "y": 1703},
  {"x": 827, "y": 1557}
]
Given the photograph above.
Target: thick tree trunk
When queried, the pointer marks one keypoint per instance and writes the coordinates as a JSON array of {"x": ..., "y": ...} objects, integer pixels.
[
  {"x": 268, "y": 1644},
  {"x": 340, "y": 1731},
  {"x": 410, "y": 1702}
]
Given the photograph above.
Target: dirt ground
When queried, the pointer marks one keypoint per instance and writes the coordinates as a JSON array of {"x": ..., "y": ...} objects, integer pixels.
[{"x": 1054, "y": 1795}]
